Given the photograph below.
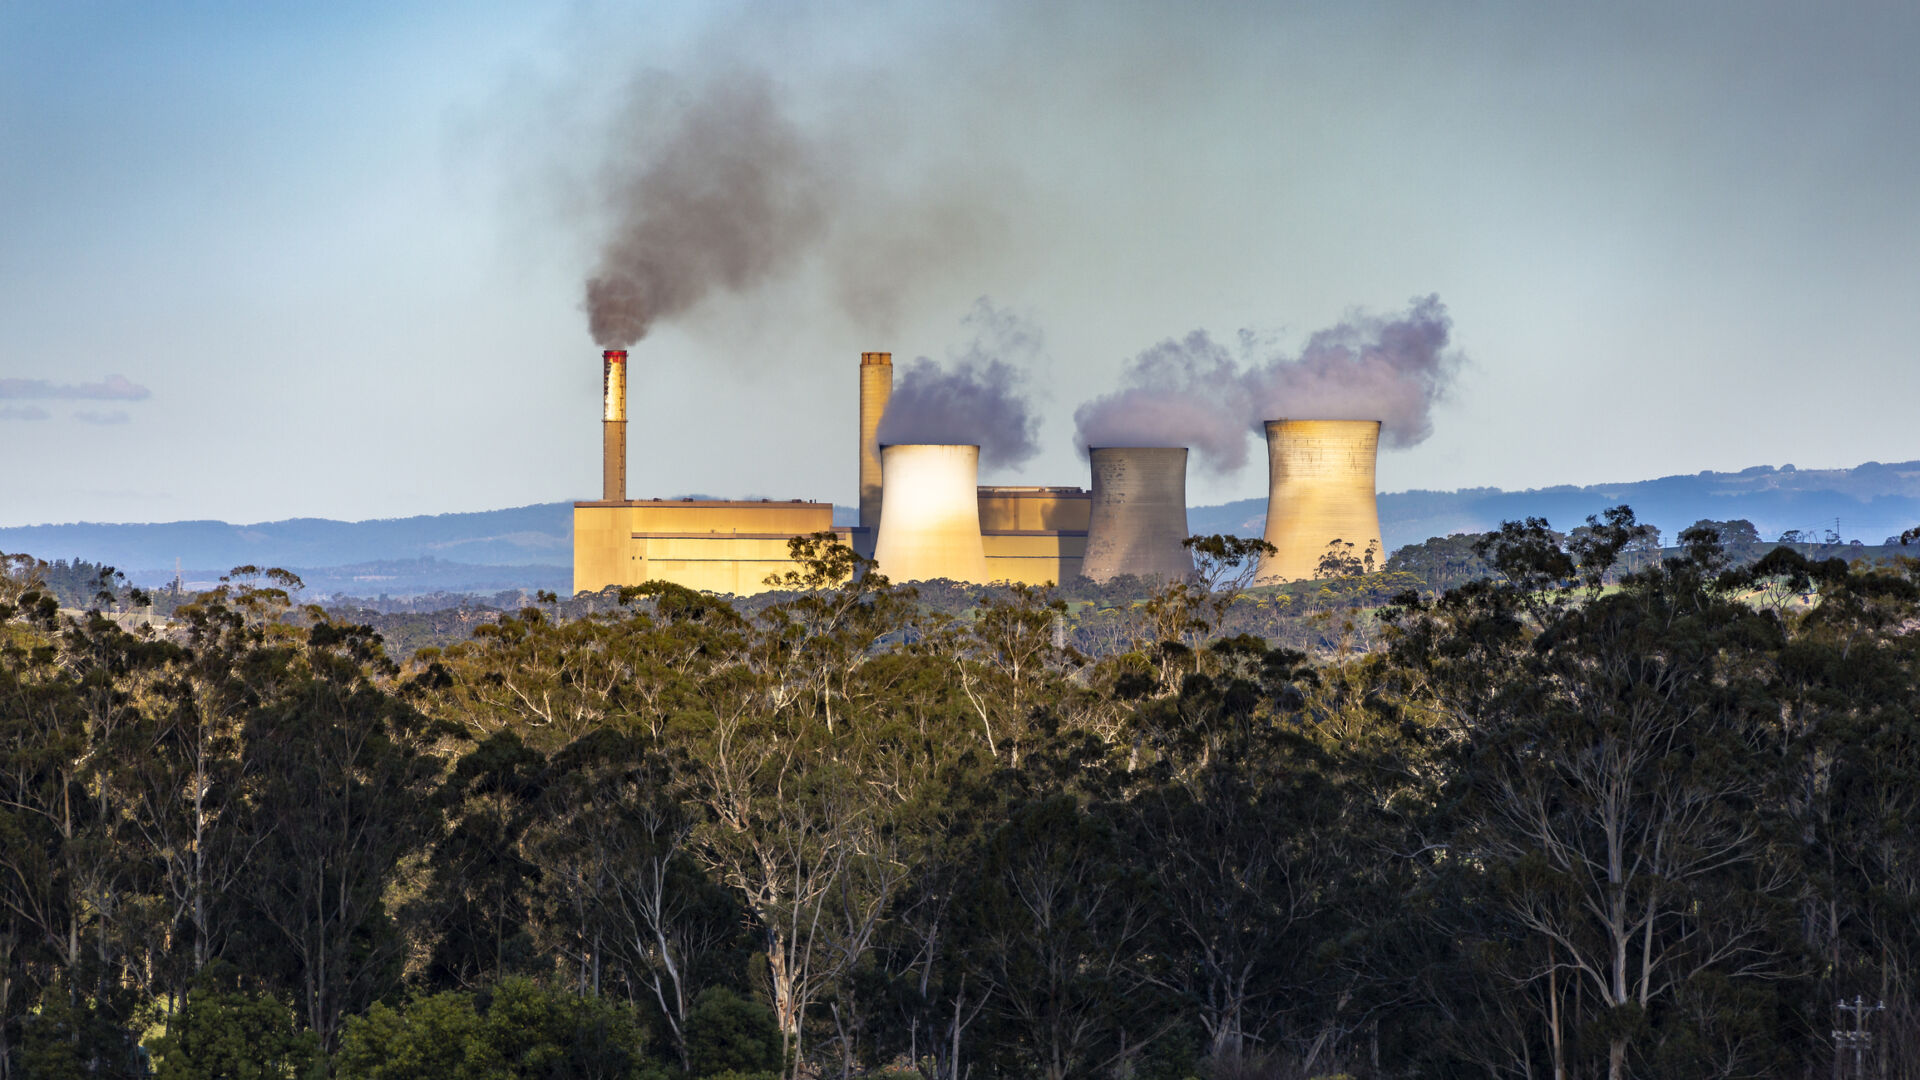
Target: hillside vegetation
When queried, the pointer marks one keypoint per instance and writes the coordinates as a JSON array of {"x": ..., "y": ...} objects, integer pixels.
[{"x": 1601, "y": 813}]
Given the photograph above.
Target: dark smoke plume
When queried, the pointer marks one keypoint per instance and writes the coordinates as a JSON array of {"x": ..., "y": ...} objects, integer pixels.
[
  {"x": 979, "y": 397},
  {"x": 730, "y": 195},
  {"x": 1194, "y": 393}
]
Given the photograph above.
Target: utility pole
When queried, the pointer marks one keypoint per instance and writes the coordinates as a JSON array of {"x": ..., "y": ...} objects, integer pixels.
[{"x": 1857, "y": 1040}]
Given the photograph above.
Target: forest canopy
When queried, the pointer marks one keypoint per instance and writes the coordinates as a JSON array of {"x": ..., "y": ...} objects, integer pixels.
[{"x": 1525, "y": 804}]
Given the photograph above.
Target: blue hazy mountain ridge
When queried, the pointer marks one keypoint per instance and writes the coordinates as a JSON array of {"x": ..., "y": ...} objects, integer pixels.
[
  {"x": 531, "y": 546},
  {"x": 526, "y": 535},
  {"x": 1869, "y": 503}
]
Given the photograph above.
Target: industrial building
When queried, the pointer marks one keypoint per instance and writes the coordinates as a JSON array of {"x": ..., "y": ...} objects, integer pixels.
[
  {"x": 923, "y": 514},
  {"x": 711, "y": 545}
]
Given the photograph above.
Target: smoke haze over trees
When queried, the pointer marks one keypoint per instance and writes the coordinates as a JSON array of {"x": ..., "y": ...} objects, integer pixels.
[
  {"x": 978, "y": 397},
  {"x": 1194, "y": 392}
]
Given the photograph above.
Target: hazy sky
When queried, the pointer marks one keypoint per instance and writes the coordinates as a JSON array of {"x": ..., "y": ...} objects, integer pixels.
[{"x": 261, "y": 261}]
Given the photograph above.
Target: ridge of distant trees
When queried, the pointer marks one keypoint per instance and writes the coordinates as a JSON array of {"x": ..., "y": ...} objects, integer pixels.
[{"x": 1529, "y": 804}]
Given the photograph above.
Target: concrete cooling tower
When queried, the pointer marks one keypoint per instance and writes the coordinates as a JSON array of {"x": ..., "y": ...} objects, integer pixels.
[
  {"x": 1320, "y": 489},
  {"x": 930, "y": 517},
  {"x": 1139, "y": 513}
]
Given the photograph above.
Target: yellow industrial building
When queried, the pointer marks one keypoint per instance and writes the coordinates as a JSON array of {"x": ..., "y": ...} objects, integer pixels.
[
  {"x": 1034, "y": 535},
  {"x": 713, "y": 546}
]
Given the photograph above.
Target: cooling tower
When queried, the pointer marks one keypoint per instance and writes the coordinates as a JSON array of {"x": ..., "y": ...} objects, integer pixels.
[
  {"x": 1319, "y": 489},
  {"x": 930, "y": 519},
  {"x": 876, "y": 386},
  {"x": 613, "y": 434},
  {"x": 1139, "y": 513}
]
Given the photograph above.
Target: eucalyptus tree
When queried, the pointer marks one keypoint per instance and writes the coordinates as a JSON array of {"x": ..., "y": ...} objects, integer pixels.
[
  {"x": 1611, "y": 794},
  {"x": 343, "y": 795},
  {"x": 798, "y": 765}
]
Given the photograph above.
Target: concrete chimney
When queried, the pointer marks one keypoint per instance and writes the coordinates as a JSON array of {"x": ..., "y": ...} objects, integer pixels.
[
  {"x": 876, "y": 386},
  {"x": 1320, "y": 489},
  {"x": 930, "y": 521},
  {"x": 613, "y": 448},
  {"x": 1139, "y": 513}
]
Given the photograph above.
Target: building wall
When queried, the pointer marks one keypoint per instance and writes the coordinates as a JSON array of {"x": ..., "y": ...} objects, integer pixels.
[
  {"x": 1034, "y": 509},
  {"x": 1034, "y": 558},
  {"x": 727, "y": 547},
  {"x": 1034, "y": 535}
]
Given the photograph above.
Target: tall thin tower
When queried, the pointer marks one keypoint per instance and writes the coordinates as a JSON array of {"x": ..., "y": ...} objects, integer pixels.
[
  {"x": 613, "y": 433},
  {"x": 876, "y": 386}
]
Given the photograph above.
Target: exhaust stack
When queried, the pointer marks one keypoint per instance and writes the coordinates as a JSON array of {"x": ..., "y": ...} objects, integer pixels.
[
  {"x": 613, "y": 456},
  {"x": 876, "y": 386},
  {"x": 930, "y": 520},
  {"x": 1320, "y": 489},
  {"x": 1139, "y": 514}
]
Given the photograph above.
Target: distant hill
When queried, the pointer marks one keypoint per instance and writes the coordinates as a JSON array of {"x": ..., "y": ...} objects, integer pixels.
[
  {"x": 541, "y": 534},
  {"x": 532, "y": 546}
]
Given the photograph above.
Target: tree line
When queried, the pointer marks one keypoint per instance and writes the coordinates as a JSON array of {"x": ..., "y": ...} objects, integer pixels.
[{"x": 1584, "y": 813}]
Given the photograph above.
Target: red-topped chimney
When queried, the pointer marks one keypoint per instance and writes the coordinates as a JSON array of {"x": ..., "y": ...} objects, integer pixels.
[{"x": 613, "y": 465}]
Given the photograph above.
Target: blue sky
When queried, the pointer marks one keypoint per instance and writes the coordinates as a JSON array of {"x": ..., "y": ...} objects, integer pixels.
[{"x": 342, "y": 245}]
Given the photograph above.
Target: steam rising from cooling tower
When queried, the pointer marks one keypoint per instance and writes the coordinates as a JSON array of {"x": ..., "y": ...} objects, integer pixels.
[
  {"x": 1194, "y": 392},
  {"x": 1177, "y": 393},
  {"x": 979, "y": 397}
]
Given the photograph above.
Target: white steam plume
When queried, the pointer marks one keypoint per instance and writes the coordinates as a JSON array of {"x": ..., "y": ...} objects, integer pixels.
[
  {"x": 1194, "y": 393},
  {"x": 979, "y": 397}
]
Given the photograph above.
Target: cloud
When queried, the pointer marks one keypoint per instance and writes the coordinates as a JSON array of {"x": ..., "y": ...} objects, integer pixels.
[
  {"x": 22, "y": 412},
  {"x": 117, "y": 416},
  {"x": 112, "y": 388}
]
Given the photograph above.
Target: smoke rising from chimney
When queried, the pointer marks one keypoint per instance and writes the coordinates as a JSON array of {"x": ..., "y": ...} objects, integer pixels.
[
  {"x": 979, "y": 397},
  {"x": 1193, "y": 392},
  {"x": 732, "y": 194}
]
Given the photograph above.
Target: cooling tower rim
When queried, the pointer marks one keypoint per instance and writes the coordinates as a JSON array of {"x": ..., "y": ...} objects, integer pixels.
[
  {"x": 1091, "y": 449},
  {"x": 1321, "y": 420},
  {"x": 967, "y": 445}
]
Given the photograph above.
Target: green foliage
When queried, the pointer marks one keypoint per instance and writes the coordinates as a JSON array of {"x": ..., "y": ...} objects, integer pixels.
[
  {"x": 517, "y": 1031},
  {"x": 1666, "y": 796},
  {"x": 729, "y": 1036},
  {"x": 224, "y": 1033}
]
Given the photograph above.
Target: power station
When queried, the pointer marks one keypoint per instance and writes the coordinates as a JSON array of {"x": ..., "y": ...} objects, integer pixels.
[{"x": 924, "y": 515}]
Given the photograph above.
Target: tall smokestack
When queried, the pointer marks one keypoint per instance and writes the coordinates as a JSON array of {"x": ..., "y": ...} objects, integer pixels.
[
  {"x": 930, "y": 520},
  {"x": 1139, "y": 514},
  {"x": 613, "y": 459},
  {"x": 1319, "y": 489},
  {"x": 876, "y": 386}
]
